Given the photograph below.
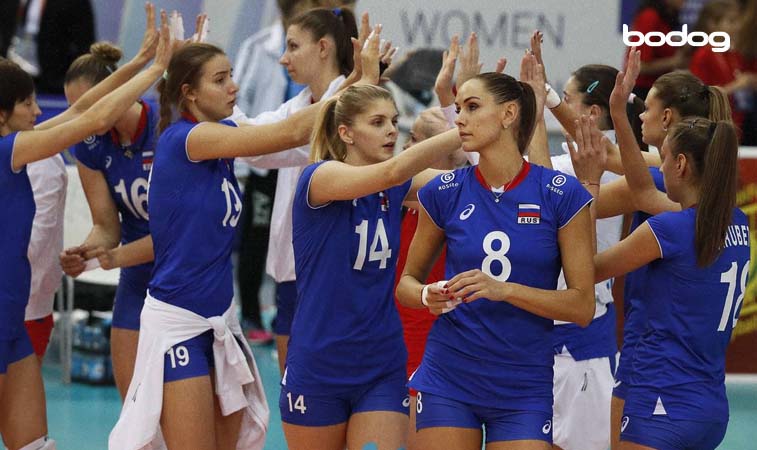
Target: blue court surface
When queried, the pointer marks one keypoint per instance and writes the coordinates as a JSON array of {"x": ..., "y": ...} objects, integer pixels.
[{"x": 81, "y": 416}]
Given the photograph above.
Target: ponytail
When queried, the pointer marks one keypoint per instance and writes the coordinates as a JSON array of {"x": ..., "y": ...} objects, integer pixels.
[
  {"x": 166, "y": 112},
  {"x": 96, "y": 65},
  {"x": 713, "y": 149},
  {"x": 527, "y": 117},
  {"x": 634, "y": 110},
  {"x": 326, "y": 143},
  {"x": 720, "y": 107}
]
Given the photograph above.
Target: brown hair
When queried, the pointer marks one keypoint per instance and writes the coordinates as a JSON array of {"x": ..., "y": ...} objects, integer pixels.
[
  {"x": 337, "y": 23},
  {"x": 713, "y": 11},
  {"x": 713, "y": 148},
  {"x": 326, "y": 143},
  {"x": 596, "y": 82},
  {"x": 505, "y": 88},
  {"x": 96, "y": 65},
  {"x": 185, "y": 67},
  {"x": 682, "y": 91},
  {"x": 15, "y": 85},
  {"x": 744, "y": 41}
]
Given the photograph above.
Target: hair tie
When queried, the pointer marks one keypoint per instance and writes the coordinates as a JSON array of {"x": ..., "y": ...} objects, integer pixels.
[
  {"x": 337, "y": 12},
  {"x": 711, "y": 130},
  {"x": 592, "y": 86},
  {"x": 165, "y": 74}
]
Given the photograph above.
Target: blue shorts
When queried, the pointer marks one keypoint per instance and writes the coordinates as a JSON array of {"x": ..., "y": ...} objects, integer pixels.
[
  {"x": 130, "y": 298},
  {"x": 286, "y": 304},
  {"x": 620, "y": 389},
  {"x": 13, "y": 350},
  {"x": 189, "y": 359},
  {"x": 500, "y": 424},
  {"x": 388, "y": 394},
  {"x": 664, "y": 433}
]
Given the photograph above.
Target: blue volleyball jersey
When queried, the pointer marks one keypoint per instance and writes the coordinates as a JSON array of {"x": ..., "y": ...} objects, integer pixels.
[
  {"x": 634, "y": 291},
  {"x": 17, "y": 210},
  {"x": 346, "y": 332},
  {"x": 194, "y": 210},
  {"x": 679, "y": 362},
  {"x": 493, "y": 353},
  {"x": 126, "y": 170}
]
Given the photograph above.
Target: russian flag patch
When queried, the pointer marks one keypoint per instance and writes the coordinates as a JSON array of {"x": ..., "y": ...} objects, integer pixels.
[
  {"x": 529, "y": 213},
  {"x": 147, "y": 160}
]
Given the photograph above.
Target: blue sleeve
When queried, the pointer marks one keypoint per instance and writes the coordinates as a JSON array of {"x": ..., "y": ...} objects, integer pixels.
[
  {"x": 666, "y": 230},
  {"x": 431, "y": 199},
  {"x": 658, "y": 179},
  {"x": 6, "y": 153},
  {"x": 303, "y": 187},
  {"x": 88, "y": 152},
  {"x": 569, "y": 197}
]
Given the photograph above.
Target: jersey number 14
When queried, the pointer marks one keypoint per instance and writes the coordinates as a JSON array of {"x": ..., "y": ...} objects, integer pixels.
[{"x": 381, "y": 254}]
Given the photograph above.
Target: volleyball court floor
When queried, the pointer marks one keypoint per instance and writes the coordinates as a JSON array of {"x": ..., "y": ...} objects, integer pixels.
[{"x": 81, "y": 416}]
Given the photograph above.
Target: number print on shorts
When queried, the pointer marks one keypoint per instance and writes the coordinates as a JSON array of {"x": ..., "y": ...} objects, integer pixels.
[
  {"x": 299, "y": 403},
  {"x": 181, "y": 354},
  {"x": 419, "y": 403},
  {"x": 497, "y": 255}
]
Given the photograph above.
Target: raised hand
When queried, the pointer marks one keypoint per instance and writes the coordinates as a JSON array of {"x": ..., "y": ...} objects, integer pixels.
[
  {"x": 536, "y": 40},
  {"x": 588, "y": 153},
  {"x": 369, "y": 57},
  {"x": 469, "y": 63},
  {"x": 150, "y": 38},
  {"x": 443, "y": 84},
  {"x": 165, "y": 44},
  {"x": 357, "y": 50},
  {"x": 625, "y": 81},
  {"x": 501, "y": 64},
  {"x": 386, "y": 54},
  {"x": 201, "y": 28},
  {"x": 532, "y": 72}
]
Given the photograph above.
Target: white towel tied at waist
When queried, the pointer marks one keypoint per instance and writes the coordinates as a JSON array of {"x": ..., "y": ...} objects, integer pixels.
[{"x": 238, "y": 385}]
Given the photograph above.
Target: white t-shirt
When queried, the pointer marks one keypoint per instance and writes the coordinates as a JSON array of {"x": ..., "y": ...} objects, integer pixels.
[{"x": 49, "y": 181}]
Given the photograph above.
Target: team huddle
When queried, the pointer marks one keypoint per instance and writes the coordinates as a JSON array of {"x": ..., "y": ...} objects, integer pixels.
[{"x": 452, "y": 295}]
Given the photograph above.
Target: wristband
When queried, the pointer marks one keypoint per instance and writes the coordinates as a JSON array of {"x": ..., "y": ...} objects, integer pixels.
[
  {"x": 424, "y": 294},
  {"x": 589, "y": 183},
  {"x": 553, "y": 98}
]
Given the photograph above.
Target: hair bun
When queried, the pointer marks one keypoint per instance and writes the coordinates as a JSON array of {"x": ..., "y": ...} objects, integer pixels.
[{"x": 106, "y": 52}]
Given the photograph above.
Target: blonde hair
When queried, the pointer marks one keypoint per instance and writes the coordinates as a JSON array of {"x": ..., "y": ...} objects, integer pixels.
[{"x": 326, "y": 143}]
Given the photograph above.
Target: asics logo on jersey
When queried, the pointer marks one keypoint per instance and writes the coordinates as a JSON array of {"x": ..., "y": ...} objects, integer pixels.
[
  {"x": 617, "y": 383},
  {"x": 547, "y": 427},
  {"x": 406, "y": 402},
  {"x": 108, "y": 161},
  {"x": 447, "y": 177},
  {"x": 467, "y": 211},
  {"x": 89, "y": 140},
  {"x": 559, "y": 180},
  {"x": 624, "y": 423}
]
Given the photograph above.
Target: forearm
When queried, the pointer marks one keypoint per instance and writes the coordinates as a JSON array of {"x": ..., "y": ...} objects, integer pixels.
[
  {"x": 635, "y": 168},
  {"x": 89, "y": 98},
  {"x": 110, "y": 108},
  {"x": 566, "y": 116},
  {"x": 421, "y": 156},
  {"x": 409, "y": 291},
  {"x": 538, "y": 148},
  {"x": 134, "y": 253},
  {"x": 568, "y": 305}
]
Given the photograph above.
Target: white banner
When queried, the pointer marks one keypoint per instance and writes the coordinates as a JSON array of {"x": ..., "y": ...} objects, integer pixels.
[{"x": 575, "y": 32}]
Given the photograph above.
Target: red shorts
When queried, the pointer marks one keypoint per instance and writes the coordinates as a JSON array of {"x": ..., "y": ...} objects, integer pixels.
[{"x": 39, "y": 332}]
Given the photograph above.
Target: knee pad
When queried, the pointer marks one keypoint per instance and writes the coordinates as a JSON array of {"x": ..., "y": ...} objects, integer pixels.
[{"x": 43, "y": 443}]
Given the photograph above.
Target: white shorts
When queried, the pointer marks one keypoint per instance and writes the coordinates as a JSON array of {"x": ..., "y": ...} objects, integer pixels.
[{"x": 582, "y": 392}]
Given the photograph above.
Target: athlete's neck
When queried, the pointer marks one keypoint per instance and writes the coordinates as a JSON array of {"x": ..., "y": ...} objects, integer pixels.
[
  {"x": 500, "y": 163},
  {"x": 127, "y": 124},
  {"x": 321, "y": 85}
]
